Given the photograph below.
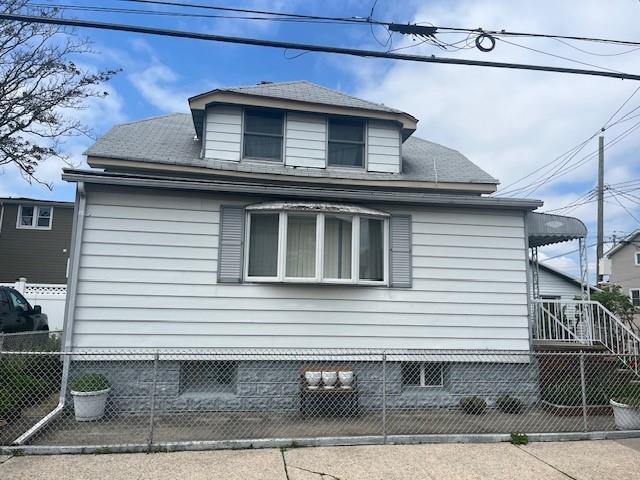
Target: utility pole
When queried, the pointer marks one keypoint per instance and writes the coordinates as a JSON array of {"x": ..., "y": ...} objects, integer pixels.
[{"x": 600, "y": 247}]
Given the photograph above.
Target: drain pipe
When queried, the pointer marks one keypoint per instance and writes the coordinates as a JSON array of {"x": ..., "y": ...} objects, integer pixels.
[{"x": 72, "y": 282}]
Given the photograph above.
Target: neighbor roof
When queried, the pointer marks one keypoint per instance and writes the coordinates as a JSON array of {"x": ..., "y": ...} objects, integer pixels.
[
  {"x": 170, "y": 140},
  {"x": 303, "y": 91},
  {"x": 624, "y": 242}
]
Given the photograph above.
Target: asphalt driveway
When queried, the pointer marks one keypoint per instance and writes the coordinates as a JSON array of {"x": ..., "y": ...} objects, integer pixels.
[{"x": 586, "y": 460}]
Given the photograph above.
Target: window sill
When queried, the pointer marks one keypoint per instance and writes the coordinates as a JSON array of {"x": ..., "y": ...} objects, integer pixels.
[
  {"x": 346, "y": 283},
  {"x": 21, "y": 227}
]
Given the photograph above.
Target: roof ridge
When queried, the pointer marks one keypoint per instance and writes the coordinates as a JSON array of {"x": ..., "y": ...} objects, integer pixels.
[{"x": 147, "y": 119}]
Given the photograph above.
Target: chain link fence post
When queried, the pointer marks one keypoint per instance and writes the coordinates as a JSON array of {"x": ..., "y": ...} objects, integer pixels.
[
  {"x": 384, "y": 397},
  {"x": 583, "y": 386},
  {"x": 152, "y": 407}
]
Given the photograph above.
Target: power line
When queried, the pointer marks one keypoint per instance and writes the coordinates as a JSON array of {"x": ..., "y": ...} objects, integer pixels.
[
  {"x": 626, "y": 209},
  {"x": 307, "y": 47}
]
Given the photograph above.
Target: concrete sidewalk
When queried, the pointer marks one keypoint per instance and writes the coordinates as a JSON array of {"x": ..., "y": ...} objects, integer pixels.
[{"x": 587, "y": 460}]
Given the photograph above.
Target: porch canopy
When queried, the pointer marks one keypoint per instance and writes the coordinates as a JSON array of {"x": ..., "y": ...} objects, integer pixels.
[{"x": 546, "y": 229}]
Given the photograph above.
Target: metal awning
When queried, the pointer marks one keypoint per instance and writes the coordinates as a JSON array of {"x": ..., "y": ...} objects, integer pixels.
[{"x": 545, "y": 229}]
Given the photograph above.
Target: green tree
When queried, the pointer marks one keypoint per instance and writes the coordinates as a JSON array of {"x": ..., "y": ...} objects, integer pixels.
[{"x": 617, "y": 301}]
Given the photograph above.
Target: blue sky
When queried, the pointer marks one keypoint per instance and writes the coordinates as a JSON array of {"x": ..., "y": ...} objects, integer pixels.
[{"x": 508, "y": 122}]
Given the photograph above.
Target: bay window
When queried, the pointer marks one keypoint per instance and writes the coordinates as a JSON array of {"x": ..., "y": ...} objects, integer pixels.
[{"x": 323, "y": 245}]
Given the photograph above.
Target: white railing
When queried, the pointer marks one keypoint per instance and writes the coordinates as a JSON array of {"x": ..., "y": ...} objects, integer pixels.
[{"x": 587, "y": 323}]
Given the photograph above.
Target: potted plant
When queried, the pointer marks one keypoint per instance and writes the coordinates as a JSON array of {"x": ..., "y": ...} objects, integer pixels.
[
  {"x": 626, "y": 408},
  {"x": 90, "y": 396}
]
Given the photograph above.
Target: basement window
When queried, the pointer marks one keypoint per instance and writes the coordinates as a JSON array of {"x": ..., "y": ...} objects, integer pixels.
[
  {"x": 422, "y": 374},
  {"x": 207, "y": 376}
]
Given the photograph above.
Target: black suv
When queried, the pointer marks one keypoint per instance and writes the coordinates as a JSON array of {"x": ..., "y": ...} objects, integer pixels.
[{"x": 17, "y": 315}]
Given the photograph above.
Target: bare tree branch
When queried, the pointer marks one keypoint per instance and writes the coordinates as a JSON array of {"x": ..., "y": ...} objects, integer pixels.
[{"x": 39, "y": 85}]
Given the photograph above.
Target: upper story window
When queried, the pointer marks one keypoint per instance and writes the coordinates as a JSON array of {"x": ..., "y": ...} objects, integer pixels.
[
  {"x": 35, "y": 216},
  {"x": 635, "y": 296},
  {"x": 346, "y": 142},
  {"x": 637, "y": 257},
  {"x": 263, "y": 134},
  {"x": 322, "y": 246}
]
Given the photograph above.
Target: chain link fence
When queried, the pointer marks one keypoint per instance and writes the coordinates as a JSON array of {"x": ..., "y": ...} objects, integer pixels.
[{"x": 159, "y": 398}]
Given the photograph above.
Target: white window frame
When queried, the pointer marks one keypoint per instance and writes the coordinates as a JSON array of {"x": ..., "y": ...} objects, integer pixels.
[
  {"x": 631, "y": 290},
  {"x": 636, "y": 256},
  {"x": 34, "y": 220},
  {"x": 423, "y": 376},
  {"x": 319, "y": 276},
  {"x": 365, "y": 135}
]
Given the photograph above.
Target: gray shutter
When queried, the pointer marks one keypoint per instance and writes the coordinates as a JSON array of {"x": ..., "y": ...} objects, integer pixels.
[
  {"x": 400, "y": 255},
  {"x": 231, "y": 245}
]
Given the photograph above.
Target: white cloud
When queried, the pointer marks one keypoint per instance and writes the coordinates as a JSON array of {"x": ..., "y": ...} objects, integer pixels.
[
  {"x": 511, "y": 122},
  {"x": 158, "y": 85}
]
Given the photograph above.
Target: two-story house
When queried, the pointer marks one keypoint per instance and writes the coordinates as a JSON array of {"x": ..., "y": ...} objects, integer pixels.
[
  {"x": 35, "y": 237},
  {"x": 624, "y": 268},
  {"x": 293, "y": 217}
]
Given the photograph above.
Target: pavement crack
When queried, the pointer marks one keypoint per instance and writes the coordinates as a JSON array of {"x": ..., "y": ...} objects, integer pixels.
[
  {"x": 322, "y": 474},
  {"x": 284, "y": 462},
  {"x": 5, "y": 458},
  {"x": 546, "y": 463}
]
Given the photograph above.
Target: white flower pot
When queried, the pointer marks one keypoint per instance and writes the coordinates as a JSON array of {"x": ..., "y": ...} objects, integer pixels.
[
  {"x": 329, "y": 379},
  {"x": 627, "y": 417},
  {"x": 313, "y": 379},
  {"x": 346, "y": 379},
  {"x": 89, "y": 406}
]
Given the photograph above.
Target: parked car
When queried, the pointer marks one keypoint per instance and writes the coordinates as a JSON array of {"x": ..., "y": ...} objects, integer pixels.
[{"x": 17, "y": 315}]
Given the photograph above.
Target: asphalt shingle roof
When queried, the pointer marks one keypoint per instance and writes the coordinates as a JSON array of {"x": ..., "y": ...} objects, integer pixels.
[
  {"x": 170, "y": 139},
  {"x": 304, "y": 91}
]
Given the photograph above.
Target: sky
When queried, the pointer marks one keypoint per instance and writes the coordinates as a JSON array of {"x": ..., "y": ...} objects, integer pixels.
[{"x": 509, "y": 122}]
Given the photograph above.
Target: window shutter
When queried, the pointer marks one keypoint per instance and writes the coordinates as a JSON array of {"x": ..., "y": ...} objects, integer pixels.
[
  {"x": 231, "y": 244},
  {"x": 400, "y": 255}
]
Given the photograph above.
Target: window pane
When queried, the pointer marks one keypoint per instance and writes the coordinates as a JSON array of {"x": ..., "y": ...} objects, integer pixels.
[
  {"x": 337, "y": 247},
  {"x": 635, "y": 298},
  {"x": 343, "y": 129},
  {"x": 259, "y": 121},
  {"x": 411, "y": 374},
  {"x": 44, "y": 216},
  {"x": 301, "y": 246},
  {"x": 258, "y": 146},
  {"x": 432, "y": 374},
  {"x": 346, "y": 154},
  {"x": 371, "y": 249},
  {"x": 263, "y": 246},
  {"x": 26, "y": 216}
]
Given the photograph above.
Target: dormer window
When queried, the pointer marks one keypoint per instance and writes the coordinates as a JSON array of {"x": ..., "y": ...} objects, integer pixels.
[
  {"x": 263, "y": 134},
  {"x": 346, "y": 142}
]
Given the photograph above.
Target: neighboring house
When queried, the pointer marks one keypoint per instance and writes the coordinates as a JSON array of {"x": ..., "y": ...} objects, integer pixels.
[
  {"x": 35, "y": 237},
  {"x": 290, "y": 216},
  {"x": 624, "y": 268},
  {"x": 557, "y": 285}
]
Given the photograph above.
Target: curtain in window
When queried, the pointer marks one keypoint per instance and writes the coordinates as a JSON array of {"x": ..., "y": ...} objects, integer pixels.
[
  {"x": 258, "y": 146},
  {"x": 263, "y": 246},
  {"x": 371, "y": 249},
  {"x": 301, "y": 246},
  {"x": 337, "y": 247}
]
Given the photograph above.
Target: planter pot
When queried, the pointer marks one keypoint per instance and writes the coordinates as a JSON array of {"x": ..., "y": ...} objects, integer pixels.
[
  {"x": 346, "y": 379},
  {"x": 313, "y": 379},
  {"x": 329, "y": 379},
  {"x": 89, "y": 406},
  {"x": 627, "y": 417}
]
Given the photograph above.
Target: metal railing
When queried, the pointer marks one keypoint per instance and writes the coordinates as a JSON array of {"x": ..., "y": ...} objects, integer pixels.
[
  {"x": 149, "y": 400},
  {"x": 587, "y": 323}
]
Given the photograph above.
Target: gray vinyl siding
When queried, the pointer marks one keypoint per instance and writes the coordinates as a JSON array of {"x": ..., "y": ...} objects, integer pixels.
[
  {"x": 223, "y": 135},
  {"x": 148, "y": 278},
  {"x": 383, "y": 147},
  {"x": 38, "y": 255},
  {"x": 306, "y": 140},
  {"x": 625, "y": 272}
]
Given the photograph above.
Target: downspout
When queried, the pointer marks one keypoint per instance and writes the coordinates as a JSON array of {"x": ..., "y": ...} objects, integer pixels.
[{"x": 69, "y": 309}]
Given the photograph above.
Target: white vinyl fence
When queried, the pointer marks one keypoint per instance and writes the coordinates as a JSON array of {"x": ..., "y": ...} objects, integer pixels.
[{"x": 51, "y": 297}]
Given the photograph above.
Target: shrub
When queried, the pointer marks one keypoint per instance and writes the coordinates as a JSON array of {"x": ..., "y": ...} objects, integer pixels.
[
  {"x": 9, "y": 404},
  {"x": 519, "y": 438},
  {"x": 92, "y": 382},
  {"x": 473, "y": 405},
  {"x": 627, "y": 394},
  {"x": 508, "y": 404}
]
